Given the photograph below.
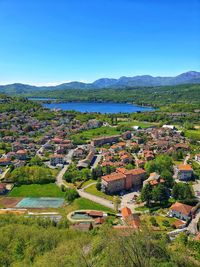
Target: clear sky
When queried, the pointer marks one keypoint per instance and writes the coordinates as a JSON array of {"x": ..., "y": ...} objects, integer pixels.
[{"x": 54, "y": 41}]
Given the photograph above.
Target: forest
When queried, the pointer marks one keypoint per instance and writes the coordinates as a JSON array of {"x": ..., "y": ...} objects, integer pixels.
[{"x": 37, "y": 242}]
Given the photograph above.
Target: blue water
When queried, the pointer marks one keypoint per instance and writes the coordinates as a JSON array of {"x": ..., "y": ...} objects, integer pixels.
[
  {"x": 98, "y": 107},
  {"x": 42, "y": 202}
]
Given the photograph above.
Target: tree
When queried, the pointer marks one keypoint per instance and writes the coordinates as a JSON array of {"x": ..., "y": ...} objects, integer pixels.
[
  {"x": 117, "y": 202},
  {"x": 167, "y": 176},
  {"x": 146, "y": 194},
  {"x": 36, "y": 161},
  {"x": 71, "y": 195},
  {"x": 98, "y": 185},
  {"x": 159, "y": 164},
  {"x": 160, "y": 193},
  {"x": 182, "y": 191}
]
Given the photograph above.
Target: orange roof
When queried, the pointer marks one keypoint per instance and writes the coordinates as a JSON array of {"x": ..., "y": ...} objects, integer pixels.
[
  {"x": 5, "y": 160},
  {"x": 184, "y": 167},
  {"x": 22, "y": 151},
  {"x": 182, "y": 208},
  {"x": 153, "y": 182},
  {"x": 197, "y": 237},
  {"x": 178, "y": 223},
  {"x": 133, "y": 171},
  {"x": 126, "y": 212},
  {"x": 121, "y": 144},
  {"x": 95, "y": 213},
  {"x": 56, "y": 156},
  {"x": 113, "y": 177}
]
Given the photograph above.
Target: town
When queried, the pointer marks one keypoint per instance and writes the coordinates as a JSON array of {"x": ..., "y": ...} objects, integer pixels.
[{"x": 141, "y": 175}]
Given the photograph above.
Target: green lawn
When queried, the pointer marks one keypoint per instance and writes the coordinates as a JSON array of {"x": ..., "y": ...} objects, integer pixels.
[
  {"x": 87, "y": 183},
  {"x": 137, "y": 123},
  {"x": 37, "y": 190},
  {"x": 84, "y": 204},
  {"x": 193, "y": 134},
  {"x": 92, "y": 190},
  {"x": 159, "y": 220},
  {"x": 87, "y": 135}
]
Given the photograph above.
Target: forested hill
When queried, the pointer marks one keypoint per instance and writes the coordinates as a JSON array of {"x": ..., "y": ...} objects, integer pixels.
[
  {"x": 152, "y": 96},
  {"x": 190, "y": 77},
  {"x": 30, "y": 242}
]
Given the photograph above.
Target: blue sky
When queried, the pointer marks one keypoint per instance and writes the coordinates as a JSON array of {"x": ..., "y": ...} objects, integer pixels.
[{"x": 54, "y": 41}]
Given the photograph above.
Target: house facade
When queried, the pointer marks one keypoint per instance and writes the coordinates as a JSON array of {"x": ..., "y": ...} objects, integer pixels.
[
  {"x": 184, "y": 172},
  {"x": 180, "y": 211}
]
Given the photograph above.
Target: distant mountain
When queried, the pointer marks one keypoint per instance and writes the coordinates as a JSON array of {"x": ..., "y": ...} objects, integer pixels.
[{"x": 191, "y": 77}]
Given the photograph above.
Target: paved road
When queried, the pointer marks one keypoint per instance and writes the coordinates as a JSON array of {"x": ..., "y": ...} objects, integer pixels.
[
  {"x": 59, "y": 177},
  {"x": 96, "y": 199},
  {"x": 2, "y": 176},
  {"x": 186, "y": 159},
  {"x": 98, "y": 159},
  {"x": 192, "y": 227}
]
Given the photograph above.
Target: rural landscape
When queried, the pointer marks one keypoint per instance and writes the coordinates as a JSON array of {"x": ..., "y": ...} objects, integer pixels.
[{"x": 104, "y": 169}]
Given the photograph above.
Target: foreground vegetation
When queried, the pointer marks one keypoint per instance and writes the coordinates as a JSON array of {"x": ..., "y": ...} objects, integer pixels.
[{"x": 38, "y": 242}]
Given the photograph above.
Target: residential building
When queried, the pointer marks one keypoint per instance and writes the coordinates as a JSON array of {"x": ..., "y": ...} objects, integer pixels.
[
  {"x": 184, "y": 172},
  {"x": 197, "y": 158},
  {"x": 180, "y": 211},
  {"x": 105, "y": 140},
  {"x": 57, "y": 159}
]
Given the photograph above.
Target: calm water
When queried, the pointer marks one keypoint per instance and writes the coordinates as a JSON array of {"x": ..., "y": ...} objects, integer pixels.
[{"x": 98, "y": 107}]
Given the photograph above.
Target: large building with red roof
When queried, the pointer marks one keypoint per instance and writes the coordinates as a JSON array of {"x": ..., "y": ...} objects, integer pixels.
[{"x": 122, "y": 179}]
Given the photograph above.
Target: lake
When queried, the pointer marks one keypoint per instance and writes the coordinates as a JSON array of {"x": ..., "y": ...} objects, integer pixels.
[
  {"x": 98, "y": 107},
  {"x": 95, "y": 106}
]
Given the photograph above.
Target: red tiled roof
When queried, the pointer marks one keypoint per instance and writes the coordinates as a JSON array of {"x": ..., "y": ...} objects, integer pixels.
[
  {"x": 182, "y": 208},
  {"x": 126, "y": 212},
  {"x": 113, "y": 177},
  {"x": 184, "y": 167},
  {"x": 95, "y": 213}
]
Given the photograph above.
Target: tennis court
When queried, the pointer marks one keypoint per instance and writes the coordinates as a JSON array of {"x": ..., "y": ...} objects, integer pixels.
[{"x": 42, "y": 202}]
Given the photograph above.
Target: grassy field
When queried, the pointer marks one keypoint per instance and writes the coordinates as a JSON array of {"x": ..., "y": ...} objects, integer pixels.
[
  {"x": 92, "y": 190},
  {"x": 193, "y": 134},
  {"x": 159, "y": 220},
  {"x": 83, "y": 204},
  {"x": 136, "y": 123},
  {"x": 87, "y": 135},
  {"x": 87, "y": 183},
  {"x": 37, "y": 190}
]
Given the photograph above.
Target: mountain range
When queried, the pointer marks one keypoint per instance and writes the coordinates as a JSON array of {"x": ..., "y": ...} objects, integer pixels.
[{"x": 190, "y": 77}]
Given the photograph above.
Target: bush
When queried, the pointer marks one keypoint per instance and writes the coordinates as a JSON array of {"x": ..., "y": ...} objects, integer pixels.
[
  {"x": 71, "y": 195},
  {"x": 166, "y": 223},
  {"x": 98, "y": 186},
  {"x": 154, "y": 222}
]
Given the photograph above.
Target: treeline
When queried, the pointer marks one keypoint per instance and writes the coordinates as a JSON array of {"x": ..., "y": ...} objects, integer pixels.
[{"x": 36, "y": 242}]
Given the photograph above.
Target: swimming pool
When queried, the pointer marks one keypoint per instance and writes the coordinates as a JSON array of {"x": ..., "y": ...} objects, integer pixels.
[
  {"x": 80, "y": 216},
  {"x": 42, "y": 202}
]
